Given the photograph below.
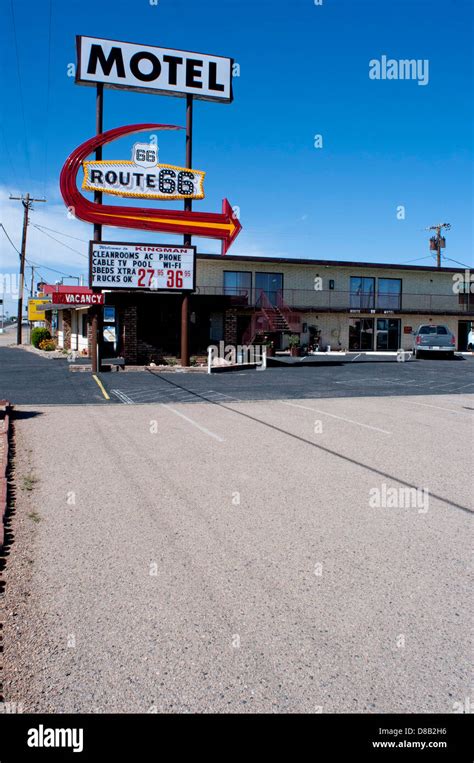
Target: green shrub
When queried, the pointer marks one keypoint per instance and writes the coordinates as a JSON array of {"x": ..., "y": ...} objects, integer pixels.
[
  {"x": 38, "y": 335},
  {"x": 294, "y": 341}
]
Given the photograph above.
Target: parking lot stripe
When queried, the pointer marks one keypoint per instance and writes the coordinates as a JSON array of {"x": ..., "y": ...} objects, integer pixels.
[
  {"x": 438, "y": 407},
  {"x": 122, "y": 396},
  {"x": 101, "y": 386},
  {"x": 194, "y": 423},
  {"x": 333, "y": 416}
]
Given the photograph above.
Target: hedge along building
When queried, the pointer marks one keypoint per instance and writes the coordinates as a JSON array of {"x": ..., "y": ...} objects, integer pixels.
[{"x": 240, "y": 299}]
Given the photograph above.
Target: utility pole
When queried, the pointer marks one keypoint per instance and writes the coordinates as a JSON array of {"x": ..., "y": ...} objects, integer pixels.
[
  {"x": 438, "y": 242},
  {"x": 27, "y": 202}
]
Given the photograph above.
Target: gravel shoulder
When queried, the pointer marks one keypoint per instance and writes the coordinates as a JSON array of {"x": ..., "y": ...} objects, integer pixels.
[{"x": 193, "y": 559}]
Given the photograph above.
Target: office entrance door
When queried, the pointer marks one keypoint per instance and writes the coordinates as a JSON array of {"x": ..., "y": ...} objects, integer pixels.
[
  {"x": 464, "y": 328},
  {"x": 361, "y": 334},
  {"x": 388, "y": 334}
]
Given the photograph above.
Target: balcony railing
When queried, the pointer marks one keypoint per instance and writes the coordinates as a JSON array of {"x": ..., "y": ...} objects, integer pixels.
[{"x": 337, "y": 300}]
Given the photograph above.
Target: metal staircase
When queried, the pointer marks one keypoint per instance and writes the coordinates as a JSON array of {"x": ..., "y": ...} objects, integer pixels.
[{"x": 270, "y": 318}]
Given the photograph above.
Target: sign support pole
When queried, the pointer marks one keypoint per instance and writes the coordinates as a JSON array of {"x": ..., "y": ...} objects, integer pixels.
[
  {"x": 96, "y": 322},
  {"x": 188, "y": 205}
]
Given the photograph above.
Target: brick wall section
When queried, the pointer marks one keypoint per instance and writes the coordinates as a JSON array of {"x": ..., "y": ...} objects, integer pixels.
[
  {"x": 146, "y": 353},
  {"x": 230, "y": 326},
  {"x": 130, "y": 340},
  {"x": 67, "y": 318},
  {"x": 5, "y": 411}
]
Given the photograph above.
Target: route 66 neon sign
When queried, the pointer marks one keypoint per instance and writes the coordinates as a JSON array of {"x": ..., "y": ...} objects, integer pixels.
[{"x": 143, "y": 176}]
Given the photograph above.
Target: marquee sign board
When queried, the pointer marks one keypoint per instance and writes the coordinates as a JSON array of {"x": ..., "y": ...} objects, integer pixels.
[
  {"x": 143, "y": 177},
  {"x": 157, "y": 267},
  {"x": 150, "y": 69}
]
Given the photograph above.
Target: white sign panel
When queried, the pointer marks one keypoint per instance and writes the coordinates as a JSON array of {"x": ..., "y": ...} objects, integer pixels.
[
  {"x": 117, "y": 265},
  {"x": 154, "y": 70}
]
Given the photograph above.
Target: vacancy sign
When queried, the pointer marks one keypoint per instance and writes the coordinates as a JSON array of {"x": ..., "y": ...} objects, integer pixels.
[
  {"x": 150, "y": 69},
  {"x": 117, "y": 265},
  {"x": 77, "y": 298}
]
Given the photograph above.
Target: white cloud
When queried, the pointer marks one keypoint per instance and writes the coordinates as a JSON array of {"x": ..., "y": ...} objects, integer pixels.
[{"x": 40, "y": 248}]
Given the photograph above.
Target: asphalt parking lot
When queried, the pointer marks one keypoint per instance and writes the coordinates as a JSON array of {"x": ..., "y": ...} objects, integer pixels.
[
  {"x": 26, "y": 379},
  {"x": 421, "y": 377}
]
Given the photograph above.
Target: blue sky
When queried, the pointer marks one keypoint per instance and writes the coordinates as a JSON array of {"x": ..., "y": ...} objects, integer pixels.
[{"x": 303, "y": 71}]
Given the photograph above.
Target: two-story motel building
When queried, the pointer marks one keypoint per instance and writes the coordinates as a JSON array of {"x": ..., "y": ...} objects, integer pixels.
[{"x": 240, "y": 299}]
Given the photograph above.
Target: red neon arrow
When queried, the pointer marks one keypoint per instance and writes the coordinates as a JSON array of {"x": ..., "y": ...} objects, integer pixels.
[{"x": 223, "y": 226}]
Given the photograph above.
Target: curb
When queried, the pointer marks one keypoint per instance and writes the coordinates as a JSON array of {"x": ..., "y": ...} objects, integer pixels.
[
  {"x": 5, "y": 414},
  {"x": 49, "y": 355}
]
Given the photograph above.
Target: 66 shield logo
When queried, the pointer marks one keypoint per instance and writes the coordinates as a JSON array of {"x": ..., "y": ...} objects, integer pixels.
[
  {"x": 143, "y": 176},
  {"x": 145, "y": 155}
]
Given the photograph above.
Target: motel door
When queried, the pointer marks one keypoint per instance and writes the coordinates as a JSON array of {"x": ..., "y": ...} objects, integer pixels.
[
  {"x": 388, "y": 334},
  {"x": 464, "y": 327},
  {"x": 110, "y": 333},
  {"x": 361, "y": 334}
]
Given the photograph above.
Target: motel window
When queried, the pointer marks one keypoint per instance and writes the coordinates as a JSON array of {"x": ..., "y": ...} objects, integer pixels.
[
  {"x": 84, "y": 326},
  {"x": 362, "y": 293},
  {"x": 465, "y": 299},
  {"x": 269, "y": 286},
  {"x": 237, "y": 283},
  {"x": 389, "y": 293}
]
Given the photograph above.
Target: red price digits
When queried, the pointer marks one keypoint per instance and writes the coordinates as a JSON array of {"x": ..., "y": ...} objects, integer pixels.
[
  {"x": 175, "y": 279},
  {"x": 142, "y": 275}
]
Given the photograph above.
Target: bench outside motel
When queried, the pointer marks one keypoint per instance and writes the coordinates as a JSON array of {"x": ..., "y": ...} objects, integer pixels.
[{"x": 240, "y": 300}]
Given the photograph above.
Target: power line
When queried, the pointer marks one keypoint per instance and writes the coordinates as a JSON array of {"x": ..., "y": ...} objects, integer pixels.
[
  {"x": 458, "y": 263},
  {"x": 22, "y": 100},
  {"x": 34, "y": 264},
  {"x": 60, "y": 242},
  {"x": 428, "y": 257},
  {"x": 48, "y": 90},
  {"x": 60, "y": 233},
  {"x": 45, "y": 267},
  {"x": 8, "y": 155},
  {"x": 8, "y": 237}
]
